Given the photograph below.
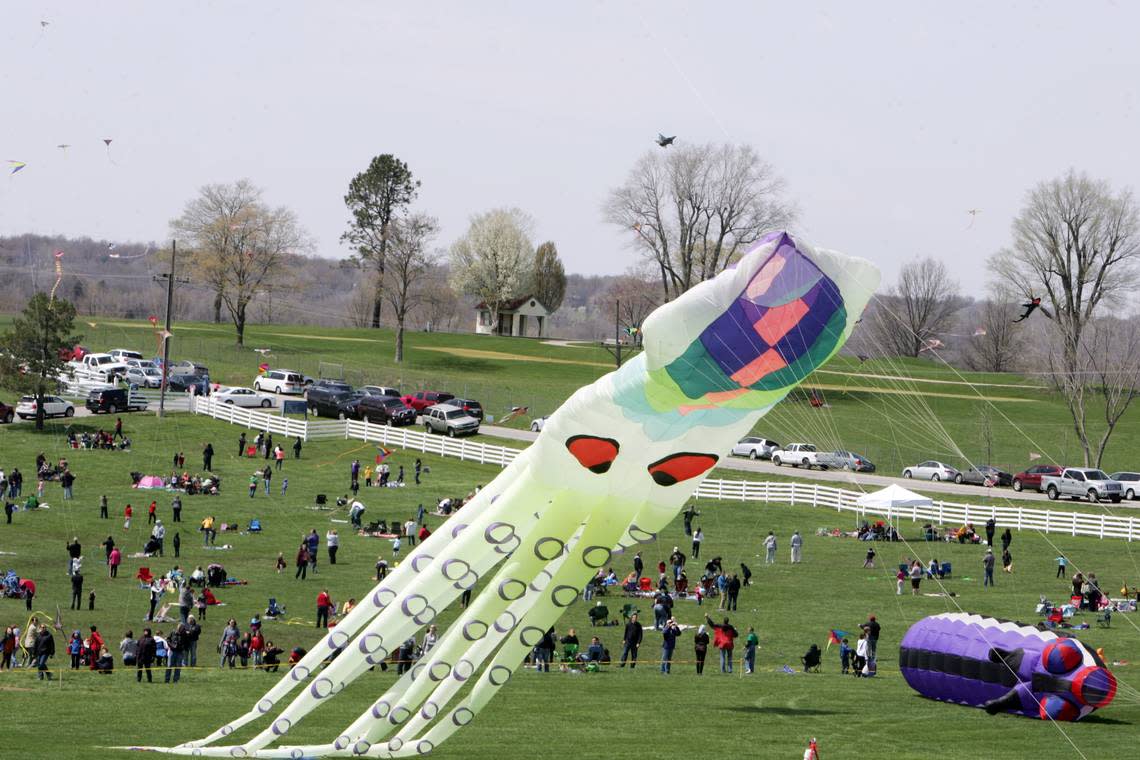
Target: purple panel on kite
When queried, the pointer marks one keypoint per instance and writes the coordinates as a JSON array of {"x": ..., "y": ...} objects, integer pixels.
[{"x": 730, "y": 339}]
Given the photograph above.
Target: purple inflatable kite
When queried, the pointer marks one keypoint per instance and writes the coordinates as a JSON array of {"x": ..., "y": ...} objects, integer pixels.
[{"x": 1004, "y": 667}]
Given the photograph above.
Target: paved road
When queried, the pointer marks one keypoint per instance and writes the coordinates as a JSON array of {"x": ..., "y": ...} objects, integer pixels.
[{"x": 830, "y": 476}]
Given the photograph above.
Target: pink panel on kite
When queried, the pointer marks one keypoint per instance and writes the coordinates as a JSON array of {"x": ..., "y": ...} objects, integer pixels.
[
  {"x": 763, "y": 279},
  {"x": 766, "y": 363},
  {"x": 778, "y": 320}
]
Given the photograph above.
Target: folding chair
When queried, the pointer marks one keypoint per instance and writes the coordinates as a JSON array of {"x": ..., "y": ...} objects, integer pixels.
[
  {"x": 946, "y": 570},
  {"x": 1104, "y": 619},
  {"x": 322, "y": 500},
  {"x": 626, "y": 611},
  {"x": 144, "y": 576},
  {"x": 645, "y": 584},
  {"x": 255, "y": 526}
]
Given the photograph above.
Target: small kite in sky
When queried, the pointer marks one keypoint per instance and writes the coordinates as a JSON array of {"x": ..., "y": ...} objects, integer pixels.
[
  {"x": 44, "y": 24},
  {"x": 63, "y": 147},
  {"x": 664, "y": 141},
  {"x": 58, "y": 273},
  {"x": 16, "y": 165},
  {"x": 107, "y": 141},
  {"x": 973, "y": 212},
  {"x": 1033, "y": 305}
]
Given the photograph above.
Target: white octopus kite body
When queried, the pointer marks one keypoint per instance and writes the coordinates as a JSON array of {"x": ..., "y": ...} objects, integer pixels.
[{"x": 612, "y": 467}]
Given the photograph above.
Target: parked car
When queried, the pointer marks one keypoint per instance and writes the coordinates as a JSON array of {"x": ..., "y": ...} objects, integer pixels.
[
  {"x": 124, "y": 354},
  {"x": 246, "y": 397},
  {"x": 474, "y": 408},
  {"x": 144, "y": 377},
  {"x": 1031, "y": 478},
  {"x": 421, "y": 400},
  {"x": 844, "y": 460},
  {"x": 796, "y": 454},
  {"x": 73, "y": 353},
  {"x": 7, "y": 413},
  {"x": 141, "y": 363},
  {"x": 755, "y": 448},
  {"x": 281, "y": 381},
  {"x": 187, "y": 367},
  {"x": 102, "y": 368},
  {"x": 346, "y": 406},
  {"x": 1082, "y": 482},
  {"x": 183, "y": 383},
  {"x": 380, "y": 390},
  {"x": 114, "y": 400},
  {"x": 1129, "y": 480},
  {"x": 931, "y": 470},
  {"x": 324, "y": 396},
  {"x": 984, "y": 475},
  {"x": 445, "y": 418},
  {"x": 384, "y": 410},
  {"x": 54, "y": 406},
  {"x": 537, "y": 424}
]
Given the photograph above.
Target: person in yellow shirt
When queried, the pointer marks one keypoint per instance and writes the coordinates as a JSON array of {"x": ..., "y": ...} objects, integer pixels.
[{"x": 367, "y": 477}]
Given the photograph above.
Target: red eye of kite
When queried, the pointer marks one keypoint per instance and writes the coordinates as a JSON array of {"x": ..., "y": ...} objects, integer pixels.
[
  {"x": 593, "y": 453},
  {"x": 677, "y": 467}
]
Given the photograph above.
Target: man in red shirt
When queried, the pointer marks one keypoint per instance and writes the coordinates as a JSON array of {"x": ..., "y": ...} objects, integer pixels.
[
  {"x": 96, "y": 645},
  {"x": 324, "y": 604},
  {"x": 423, "y": 534}
]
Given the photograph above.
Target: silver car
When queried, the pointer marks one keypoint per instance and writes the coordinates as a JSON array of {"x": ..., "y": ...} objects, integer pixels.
[
  {"x": 445, "y": 418},
  {"x": 930, "y": 470},
  {"x": 1130, "y": 482},
  {"x": 755, "y": 448}
]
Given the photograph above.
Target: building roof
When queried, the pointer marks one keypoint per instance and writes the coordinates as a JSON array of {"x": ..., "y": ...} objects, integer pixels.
[{"x": 512, "y": 304}]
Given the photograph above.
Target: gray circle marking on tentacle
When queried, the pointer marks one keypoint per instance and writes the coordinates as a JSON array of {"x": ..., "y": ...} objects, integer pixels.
[
  {"x": 381, "y": 709},
  {"x": 530, "y": 635},
  {"x": 414, "y": 604},
  {"x": 439, "y": 671},
  {"x": 499, "y": 675},
  {"x": 506, "y": 621},
  {"x": 564, "y": 596},
  {"x": 425, "y": 617},
  {"x": 499, "y": 533},
  {"x": 473, "y": 630},
  {"x": 548, "y": 548},
  {"x": 467, "y": 582},
  {"x": 417, "y": 669},
  {"x": 429, "y": 710},
  {"x": 424, "y": 747},
  {"x": 395, "y": 744},
  {"x": 383, "y": 597},
  {"x": 596, "y": 556},
  {"x": 399, "y": 715},
  {"x": 338, "y": 639},
  {"x": 299, "y": 673},
  {"x": 281, "y": 725},
  {"x": 361, "y": 747},
  {"x": 462, "y": 716},
  {"x": 369, "y": 643},
  {"x": 540, "y": 581},
  {"x": 227, "y": 730},
  {"x": 238, "y": 752},
  {"x": 509, "y": 547},
  {"x": 421, "y": 561},
  {"x": 298, "y": 753},
  {"x": 342, "y": 742},
  {"x": 265, "y": 706},
  {"x": 511, "y": 589},
  {"x": 463, "y": 670},
  {"x": 454, "y": 569},
  {"x": 641, "y": 536},
  {"x": 321, "y": 687},
  {"x": 458, "y": 529}
]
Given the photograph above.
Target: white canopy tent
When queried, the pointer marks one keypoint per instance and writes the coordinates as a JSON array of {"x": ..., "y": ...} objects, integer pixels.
[{"x": 891, "y": 497}]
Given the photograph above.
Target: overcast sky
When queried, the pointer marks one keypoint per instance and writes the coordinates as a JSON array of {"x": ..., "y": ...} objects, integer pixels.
[{"x": 887, "y": 120}]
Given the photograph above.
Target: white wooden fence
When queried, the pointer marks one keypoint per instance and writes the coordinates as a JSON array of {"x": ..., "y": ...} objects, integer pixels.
[
  {"x": 794, "y": 493},
  {"x": 939, "y": 512}
]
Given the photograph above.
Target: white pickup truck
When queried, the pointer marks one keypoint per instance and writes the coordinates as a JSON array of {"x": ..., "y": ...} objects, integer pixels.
[
  {"x": 1079, "y": 483},
  {"x": 101, "y": 368},
  {"x": 797, "y": 455}
]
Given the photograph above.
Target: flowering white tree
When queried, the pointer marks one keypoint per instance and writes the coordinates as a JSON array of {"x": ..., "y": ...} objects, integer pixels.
[{"x": 493, "y": 261}]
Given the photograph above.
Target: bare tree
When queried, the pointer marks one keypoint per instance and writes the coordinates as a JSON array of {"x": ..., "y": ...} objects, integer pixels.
[
  {"x": 440, "y": 305},
  {"x": 1076, "y": 245},
  {"x": 242, "y": 244},
  {"x": 992, "y": 346},
  {"x": 409, "y": 260},
  {"x": 358, "y": 310},
  {"x": 628, "y": 298},
  {"x": 693, "y": 210},
  {"x": 493, "y": 261},
  {"x": 918, "y": 308}
]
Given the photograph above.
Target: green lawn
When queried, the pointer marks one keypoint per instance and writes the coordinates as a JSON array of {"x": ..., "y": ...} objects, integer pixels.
[{"x": 770, "y": 714}]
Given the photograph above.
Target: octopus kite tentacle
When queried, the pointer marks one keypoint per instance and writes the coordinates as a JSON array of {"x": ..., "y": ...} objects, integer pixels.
[{"x": 612, "y": 467}]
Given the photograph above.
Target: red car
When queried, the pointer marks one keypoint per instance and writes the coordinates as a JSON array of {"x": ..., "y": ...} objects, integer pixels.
[
  {"x": 421, "y": 400},
  {"x": 1031, "y": 478}
]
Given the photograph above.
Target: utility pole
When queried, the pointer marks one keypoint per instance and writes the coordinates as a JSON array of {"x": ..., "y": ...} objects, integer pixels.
[{"x": 166, "y": 334}]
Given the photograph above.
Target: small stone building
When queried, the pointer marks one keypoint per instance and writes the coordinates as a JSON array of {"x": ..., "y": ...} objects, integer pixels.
[{"x": 524, "y": 317}]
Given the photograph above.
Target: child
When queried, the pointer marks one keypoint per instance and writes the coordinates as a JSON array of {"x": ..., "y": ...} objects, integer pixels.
[
  {"x": 280, "y": 561},
  {"x": 869, "y": 562},
  {"x": 861, "y": 651},
  {"x": 900, "y": 578},
  {"x": 844, "y": 656},
  {"x": 396, "y": 547},
  {"x": 127, "y": 515},
  {"x": 1006, "y": 560},
  {"x": 284, "y": 484}
]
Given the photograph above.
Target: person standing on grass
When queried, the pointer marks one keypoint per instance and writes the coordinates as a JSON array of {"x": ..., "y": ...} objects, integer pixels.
[
  {"x": 991, "y": 528},
  {"x": 77, "y": 590},
  {"x": 297, "y": 448},
  {"x": 751, "y": 644},
  {"x": 871, "y": 628},
  {"x": 43, "y": 651},
  {"x": 332, "y": 542},
  {"x": 701, "y": 648},
  {"x": 916, "y": 573},
  {"x": 268, "y": 444},
  {"x": 266, "y": 477},
  {"x": 176, "y": 646},
  {"x": 698, "y": 537},
  {"x": 108, "y": 545},
  {"x": 159, "y": 535},
  {"x": 324, "y": 604},
  {"x": 669, "y": 635},
  {"x": 631, "y": 640},
  {"x": 314, "y": 542},
  {"x": 733, "y": 591},
  {"x": 770, "y": 549},
  {"x": 724, "y": 639},
  {"x": 176, "y": 508},
  {"x": 241, "y": 445},
  {"x": 869, "y": 561},
  {"x": 410, "y": 532},
  {"x": 152, "y": 512},
  {"x": 279, "y": 457},
  {"x": 208, "y": 457},
  {"x": 1006, "y": 561},
  {"x": 113, "y": 561},
  {"x": 862, "y": 652},
  {"x": 988, "y": 568},
  {"x": 252, "y": 485},
  {"x": 638, "y": 566},
  {"x": 1062, "y": 566},
  {"x": 1006, "y": 539},
  {"x": 144, "y": 657},
  {"x": 900, "y": 579},
  {"x": 103, "y": 507},
  {"x": 396, "y": 549},
  {"x": 797, "y": 543},
  {"x": 74, "y": 552},
  {"x": 419, "y": 466},
  {"x": 302, "y": 560},
  {"x": 118, "y": 428}
]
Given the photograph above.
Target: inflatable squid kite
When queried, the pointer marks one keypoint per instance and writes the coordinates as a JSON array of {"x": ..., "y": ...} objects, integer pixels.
[
  {"x": 612, "y": 467},
  {"x": 1004, "y": 667}
]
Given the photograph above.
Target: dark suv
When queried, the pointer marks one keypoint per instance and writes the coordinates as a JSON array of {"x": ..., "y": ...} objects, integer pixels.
[
  {"x": 474, "y": 408},
  {"x": 384, "y": 410},
  {"x": 324, "y": 396},
  {"x": 421, "y": 400},
  {"x": 114, "y": 400}
]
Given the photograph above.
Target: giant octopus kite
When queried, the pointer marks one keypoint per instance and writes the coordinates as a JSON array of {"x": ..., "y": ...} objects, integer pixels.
[
  {"x": 612, "y": 467},
  {"x": 1004, "y": 667}
]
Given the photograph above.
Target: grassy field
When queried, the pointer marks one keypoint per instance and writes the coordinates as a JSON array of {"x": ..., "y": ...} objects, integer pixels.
[
  {"x": 894, "y": 412},
  {"x": 769, "y": 714}
]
